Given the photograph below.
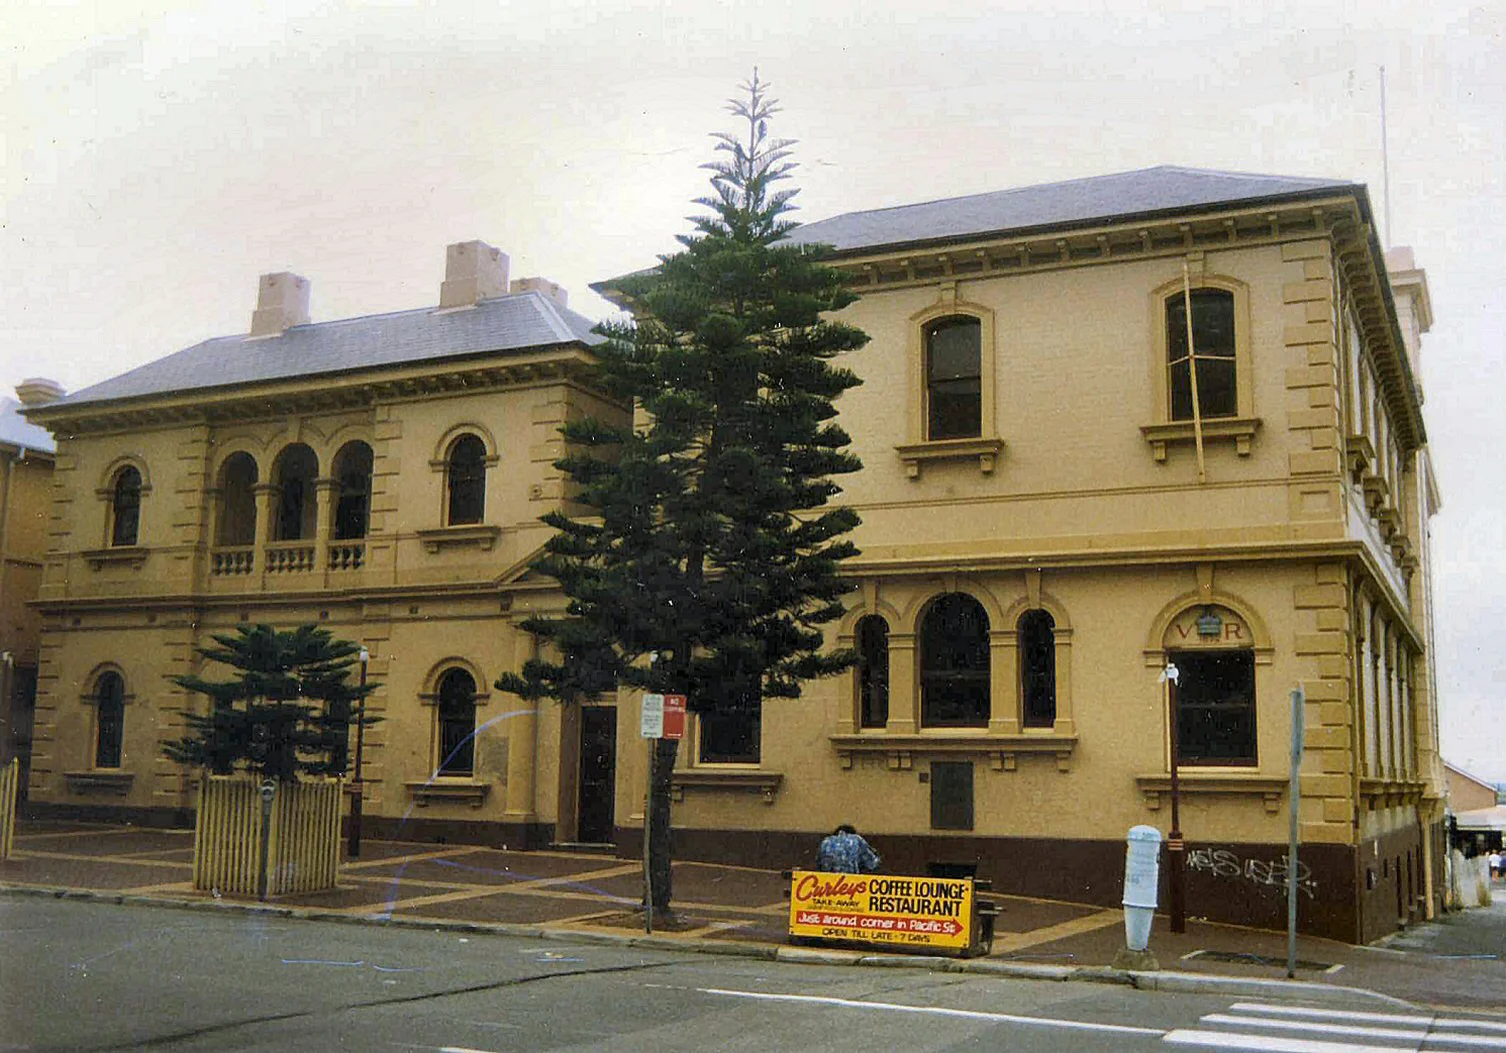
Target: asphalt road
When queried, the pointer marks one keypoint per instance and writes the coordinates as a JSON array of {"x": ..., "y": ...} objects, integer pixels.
[{"x": 85, "y": 976}]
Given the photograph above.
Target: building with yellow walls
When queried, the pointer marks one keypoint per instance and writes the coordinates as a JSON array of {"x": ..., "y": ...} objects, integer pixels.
[
  {"x": 381, "y": 477},
  {"x": 26, "y": 454},
  {"x": 1041, "y": 534},
  {"x": 1050, "y": 515}
]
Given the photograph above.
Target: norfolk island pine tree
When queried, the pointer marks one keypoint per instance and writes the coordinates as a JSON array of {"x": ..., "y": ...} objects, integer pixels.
[
  {"x": 708, "y": 559},
  {"x": 286, "y": 713}
]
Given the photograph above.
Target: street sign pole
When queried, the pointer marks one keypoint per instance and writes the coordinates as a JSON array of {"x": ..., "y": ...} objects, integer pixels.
[
  {"x": 651, "y": 728},
  {"x": 1299, "y": 715},
  {"x": 648, "y": 827}
]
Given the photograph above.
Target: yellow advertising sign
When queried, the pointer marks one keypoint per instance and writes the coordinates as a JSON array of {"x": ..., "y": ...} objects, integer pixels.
[{"x": 901, "y": 912}]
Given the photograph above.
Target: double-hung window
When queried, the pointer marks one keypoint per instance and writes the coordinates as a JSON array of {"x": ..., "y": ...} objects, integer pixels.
[{"x": 1211, "y": 357}]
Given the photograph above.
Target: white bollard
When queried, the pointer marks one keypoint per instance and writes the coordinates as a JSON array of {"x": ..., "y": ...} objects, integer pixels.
[{"x": 1142, "y": 870}]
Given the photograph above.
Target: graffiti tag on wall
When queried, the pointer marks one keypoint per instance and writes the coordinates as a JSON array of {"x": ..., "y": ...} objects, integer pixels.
[{"x": 1269, "y": 872}]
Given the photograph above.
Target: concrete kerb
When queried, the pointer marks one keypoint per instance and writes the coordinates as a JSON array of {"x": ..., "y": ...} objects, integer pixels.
[
  {"x": 1197, "y": 983},
  {"x": 1183, "y": 983}
]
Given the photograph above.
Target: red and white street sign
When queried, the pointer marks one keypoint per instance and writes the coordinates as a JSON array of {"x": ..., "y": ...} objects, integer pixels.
[
  {"x": 674, "y": 716},
  {"x": 663, "y": 717}
]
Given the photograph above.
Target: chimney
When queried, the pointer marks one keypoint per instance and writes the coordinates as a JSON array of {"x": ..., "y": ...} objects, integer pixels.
[
  {"x": 473, "y": 271},
  {"x": 553, "y": 290},
  {"x": 282, "y": 301},
  {"x": 38, "y": 391}
]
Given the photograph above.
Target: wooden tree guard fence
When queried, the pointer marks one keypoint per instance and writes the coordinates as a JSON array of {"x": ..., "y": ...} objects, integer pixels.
[
  {"x": 10, "y": 793},
  {"x": 303, "y": 852}
]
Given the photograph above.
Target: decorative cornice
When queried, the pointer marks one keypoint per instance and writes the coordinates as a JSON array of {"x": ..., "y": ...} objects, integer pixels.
[
  {"x": 318, "y": 394},
  {"x": 1339, "y": 217},
  {"x": 989, "y": 256}
]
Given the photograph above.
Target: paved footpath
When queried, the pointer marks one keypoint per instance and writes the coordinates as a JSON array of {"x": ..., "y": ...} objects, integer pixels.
[{"x": 1459, "y": 960}]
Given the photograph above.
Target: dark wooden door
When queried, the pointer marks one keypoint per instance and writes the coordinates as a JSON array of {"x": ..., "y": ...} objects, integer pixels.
[{"x": 598, "y": 774}]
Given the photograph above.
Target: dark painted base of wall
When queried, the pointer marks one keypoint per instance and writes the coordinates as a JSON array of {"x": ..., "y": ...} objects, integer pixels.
[
  {"x": 1240, "y": 884},
  {"x": 517, "y": 836},
  {"x": 1390, "y": 873},
  {"x": 162, "y": 818},
  {"x": 523, "y": 837}
]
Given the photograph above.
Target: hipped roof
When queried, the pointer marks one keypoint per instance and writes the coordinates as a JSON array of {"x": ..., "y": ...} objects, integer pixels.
[
  {"x": 512, "y": 323},
  {"x": 1164, "y": 189}
]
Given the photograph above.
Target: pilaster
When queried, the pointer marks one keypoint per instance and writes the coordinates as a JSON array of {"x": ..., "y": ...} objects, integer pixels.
[
  {"x": 1330, "y": 765},
  {"x": 1311, "y": 359}
]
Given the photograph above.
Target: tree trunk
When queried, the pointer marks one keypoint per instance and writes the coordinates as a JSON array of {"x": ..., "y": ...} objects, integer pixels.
[{"x": 660, "y": 844}]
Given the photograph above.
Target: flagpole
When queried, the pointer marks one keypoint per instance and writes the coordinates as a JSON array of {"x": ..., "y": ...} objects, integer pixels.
[{"x": 1197, "y": 412}]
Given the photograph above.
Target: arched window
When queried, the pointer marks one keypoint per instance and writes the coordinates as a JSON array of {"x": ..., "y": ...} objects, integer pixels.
[
  {"x": 954, "y": 682},
  {"x": 109, "y": 720},
  {"x": 1037, "y": 644},
  {"x": 873, "y": 671},
  {"x": 353, "y": 507},
  {"x": 457, "y": 723},
  {"x": 294, "y": 475},
  {"x": 125, "y": 507},
  {"x": 954, "y": 378},
  {"x": 465, "y": 481},
  {"x": 1213, "y": 351},
  {"x": 238, "y": 480}
]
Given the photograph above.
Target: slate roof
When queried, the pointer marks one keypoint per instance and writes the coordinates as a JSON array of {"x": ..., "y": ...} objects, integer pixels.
[
  {"x": 516, "y": 322},
  {"x": 1146, "y": 192},
  {"x": 16, "y": 430}
]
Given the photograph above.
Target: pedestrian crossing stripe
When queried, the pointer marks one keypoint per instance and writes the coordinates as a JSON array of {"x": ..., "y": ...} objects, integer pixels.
[
  {"x": 1336, "y": 1031},
  {"x": 1388, "y": 1018},
  {"x": 1357, "y": 1030}
]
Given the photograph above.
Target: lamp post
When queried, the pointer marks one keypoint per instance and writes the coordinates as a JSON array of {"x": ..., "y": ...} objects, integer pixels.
[
  {"x": 353, "y": 847},
  {"x": 1176, "y": 849}
]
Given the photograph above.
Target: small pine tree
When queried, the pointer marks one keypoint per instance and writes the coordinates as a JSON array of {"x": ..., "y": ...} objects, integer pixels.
[
  {"x": 287, "y": 713},
  {"x": 709, "y": 562}
]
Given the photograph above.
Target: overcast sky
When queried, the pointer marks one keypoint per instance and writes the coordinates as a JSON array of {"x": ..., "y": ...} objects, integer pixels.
[{"x": 158, "y": 157}]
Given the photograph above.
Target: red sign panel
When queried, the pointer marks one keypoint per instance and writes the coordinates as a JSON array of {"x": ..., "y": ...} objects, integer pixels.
[{"x": 674, "y": 716}]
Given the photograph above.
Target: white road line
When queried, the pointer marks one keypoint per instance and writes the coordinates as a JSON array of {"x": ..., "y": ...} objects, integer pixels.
[
  {"x": 1409, "y": 1034},
  {"x": 964, "y": 1014},
  {"x": 1388, "y": 1018},
  {"x": 1268, "y": 1044}
]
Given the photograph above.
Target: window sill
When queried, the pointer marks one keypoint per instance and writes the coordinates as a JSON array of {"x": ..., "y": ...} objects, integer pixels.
[
  {"x": 1269, "y": 788},
  {"x": 1002, "y": 751},
  {"x": 749, "y": 780},
  {"x": 127, "y": 555},
  {"x": 915, "y": 454},
  {"x": 1241, "y": 429},
  {"x": 444, "y": 790},
  {"x": 99, "y": 781},
  {"x": 481, "y": 536}
]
